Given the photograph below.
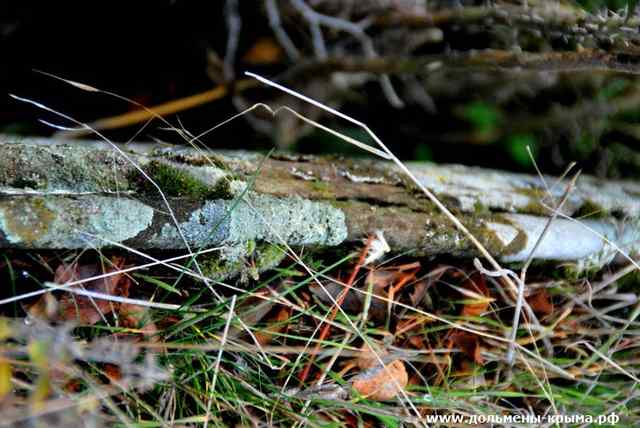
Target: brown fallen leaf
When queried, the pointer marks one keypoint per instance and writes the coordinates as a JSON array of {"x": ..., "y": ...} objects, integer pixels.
[
  {"x": 377, "y": 280},
  {"x": 73, "y": 307},
  {"x": 382, "y": 383},
  {"x": 469, "y": 343},
  {"x": 476, "y": 285},
  {"x": 136, "y": 316},
  {"x": 540, "y": 302},
  {"x": 112, "y": 372},
  {"x": 276, "y": 325},
  {"x": 352, "y": 301},
  {"x": 367, "y": 358},
  {"x": 417, "y": 341}
]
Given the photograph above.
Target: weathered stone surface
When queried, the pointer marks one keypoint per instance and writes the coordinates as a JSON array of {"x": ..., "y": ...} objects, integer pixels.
[
  {"x": 70, "y": 222},
  {"x": 72, "y": 194},
  {"x": 499, "y": 190}
]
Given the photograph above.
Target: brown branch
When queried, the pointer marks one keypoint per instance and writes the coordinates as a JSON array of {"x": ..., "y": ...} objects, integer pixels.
[{"x": 165, "y": 109}]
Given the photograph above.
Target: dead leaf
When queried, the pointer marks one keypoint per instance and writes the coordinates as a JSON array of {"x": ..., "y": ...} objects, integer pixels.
[
  {"x": 540, "y": 302},
  {"x": 276, "y": 325},
  {"x": 378, "y": 280},
  {"x": 417, "y": 341},
  {"x": 419, "y": 292},
  {"x": 477, "y": 285},
  {"x": 112, "y": 372},
  {"x": 352, "y": 301},
  {"x": 136, "y": 316},
  {"x": 368, "y": 358},
  {"x": 407, "y": 266},
  {"x": 468, "y": 343},
  {"x": 73, "y": 307},
  {"x": 382, "y": 383}
]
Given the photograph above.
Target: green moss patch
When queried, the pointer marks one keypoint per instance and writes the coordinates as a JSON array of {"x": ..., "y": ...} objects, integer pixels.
[
  {"x": 178, "y": 183},
  {"x": 246, "y": 260}
]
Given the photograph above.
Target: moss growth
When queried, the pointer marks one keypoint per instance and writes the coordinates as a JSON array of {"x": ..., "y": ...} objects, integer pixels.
[
  {"x": 591, "y": 210},
  {"x": 222, "y": 190},
  {"x": 323, "y": 189},
  {"x": 268, "y": 256},
  {"x": 487, "y": 238},
  {"x": 535, "y": 205},
  {"x": 577, "y": 272},
  {"x": 245, "y": 260},
  {"x": 480, "y": 209},
  {"x": 178, "y": 183},
  {"x": 199, "y": 160},
  {"x": 535, "y": 208},
  {"x": 480, "y": 228},
  {"x": 218, "y": 268},
  {"x": 629, "y": 282},
  {"x": 175, "y": 182}
]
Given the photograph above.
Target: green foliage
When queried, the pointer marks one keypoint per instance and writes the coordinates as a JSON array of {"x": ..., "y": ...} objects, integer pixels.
[
  {"x": 585, "y": 145},
  {"x": 423, "y": 152},
  {"x": 484, "y": 117},
  {"x": 516, "y": 146},
  {"x": 593, "y": 5},
  {"x": 613, "y": 88}
]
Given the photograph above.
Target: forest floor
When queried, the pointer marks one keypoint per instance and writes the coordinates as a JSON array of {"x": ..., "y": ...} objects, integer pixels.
[
  {"x": 355, "y": 335},
  {"x": 349, "y": 336}
]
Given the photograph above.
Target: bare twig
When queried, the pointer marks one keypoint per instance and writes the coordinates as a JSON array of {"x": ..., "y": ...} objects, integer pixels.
[
  {"x": 276, "y": 25},
  {"x": 234, "y": 25},
  {"x": 316, "y": 19}
]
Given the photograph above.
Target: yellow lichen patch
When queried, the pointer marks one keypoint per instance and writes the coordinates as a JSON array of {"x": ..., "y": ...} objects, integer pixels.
[{"x": 25, "y": 220}]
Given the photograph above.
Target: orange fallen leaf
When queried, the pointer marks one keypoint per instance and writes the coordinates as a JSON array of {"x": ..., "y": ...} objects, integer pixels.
[
  {"x": 540, "y": 302},
  {"x": 382, "y": 383},
  {"x": 136, "y": 316},
  {"x": 112, "y": 372},
  {"x": 476, "y": 284},
  {"x": 417, "y": 341}
]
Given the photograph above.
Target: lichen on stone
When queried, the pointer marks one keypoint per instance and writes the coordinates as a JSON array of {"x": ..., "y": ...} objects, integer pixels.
[
  {"x": 62, "y": 168},
  {"x": 65, "y": 222},
  {"x": 25, "y": 220},
  {"x": 295, "y": 221}
]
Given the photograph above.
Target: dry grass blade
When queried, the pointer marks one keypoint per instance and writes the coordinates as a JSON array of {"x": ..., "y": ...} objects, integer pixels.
[{"x": 389, "y": 155}]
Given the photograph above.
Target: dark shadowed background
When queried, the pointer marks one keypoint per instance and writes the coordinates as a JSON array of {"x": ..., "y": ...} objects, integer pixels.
[{"x": 158, "y": 51}]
